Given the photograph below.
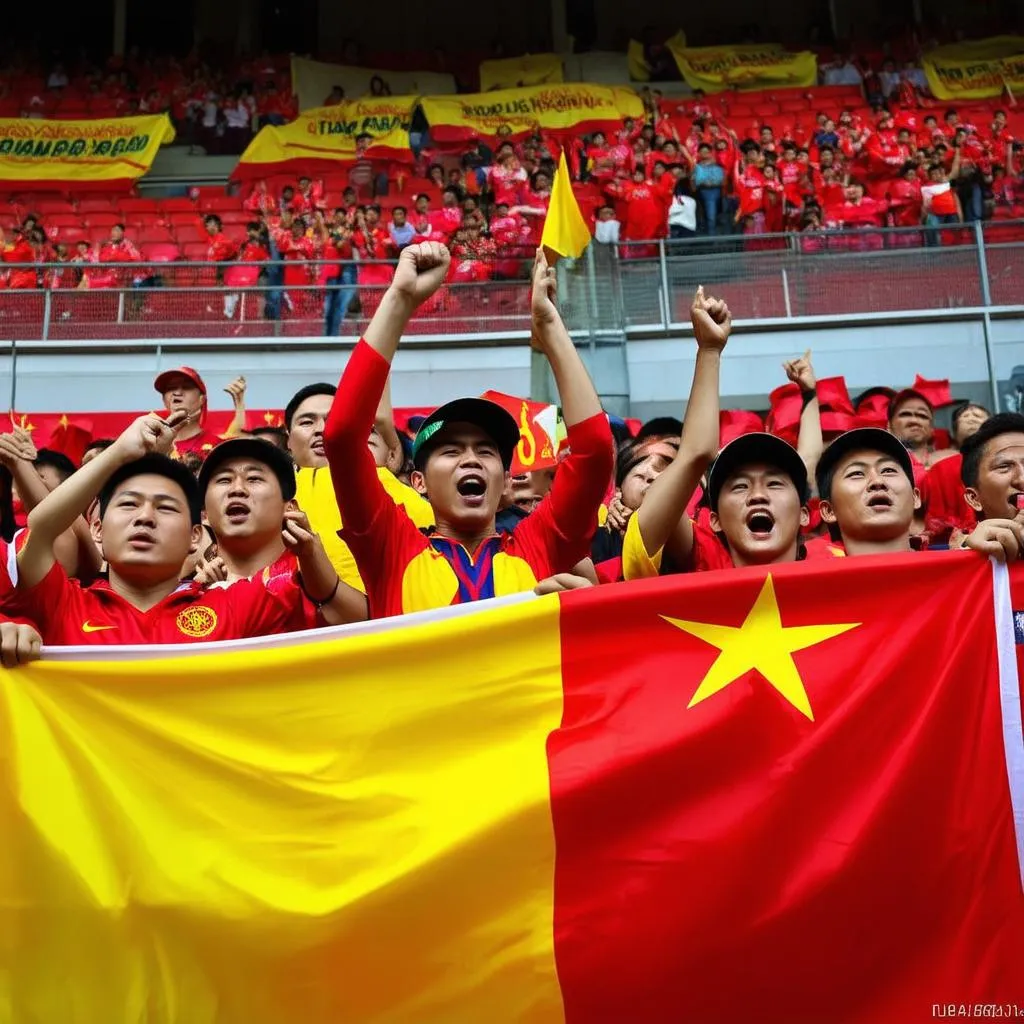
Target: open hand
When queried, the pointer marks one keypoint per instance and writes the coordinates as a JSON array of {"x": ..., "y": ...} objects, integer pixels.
[
  {"x": 421, "y": 270},
  {"x": 561, "y": 582},
  {"x": 711, "y": 319}
]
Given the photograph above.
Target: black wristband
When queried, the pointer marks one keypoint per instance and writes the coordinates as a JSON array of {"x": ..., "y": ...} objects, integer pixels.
[
  {"x": 327, "y": 600},
  {"x": 807, "y": 397}
]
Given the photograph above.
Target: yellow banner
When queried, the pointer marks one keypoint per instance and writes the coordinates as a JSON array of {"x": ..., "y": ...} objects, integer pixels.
[
  {"x": 329, "y": 134},
  {"x": 517, "y": 72},
  {"x": 715, "y": 68},
  {"x": 299, "y": 829},
  {"x": 313, "y": 80},
  {"x": 46, "y": 152},
  {"x": 976, "y": 70},
  {"x": 571, "y": 106}
]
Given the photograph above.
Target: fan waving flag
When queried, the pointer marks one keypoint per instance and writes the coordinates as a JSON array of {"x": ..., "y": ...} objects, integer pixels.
[
  {"x": 565, "y": 230},
  {"x": 719, "y": 798}
]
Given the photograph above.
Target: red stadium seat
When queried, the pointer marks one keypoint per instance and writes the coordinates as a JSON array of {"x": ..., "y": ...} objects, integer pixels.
[
  {"x": 142, "y": 206},
  {"x": 152, "y": 233},
  {"x": 105, "y": 220},
  {"x": 97, "y": 205},
  {"x": 195, "y": 251},
  {"x": 160, "y": 252},
  {"x": 218, "y": 203},
  {"x": 231, "y": 217},
  {"x": 63, "y": 220},
  {"x": 49, "y": 207},
  {"x": 178, "y": 204},
  {"x": 189, "y": 234}
]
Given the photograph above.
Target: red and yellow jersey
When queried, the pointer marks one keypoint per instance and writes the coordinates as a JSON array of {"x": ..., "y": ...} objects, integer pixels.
[{"x": 405, "y": 570}]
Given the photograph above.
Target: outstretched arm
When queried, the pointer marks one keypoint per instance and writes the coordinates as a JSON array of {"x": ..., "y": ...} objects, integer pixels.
[{"x": 810, "y": 443}]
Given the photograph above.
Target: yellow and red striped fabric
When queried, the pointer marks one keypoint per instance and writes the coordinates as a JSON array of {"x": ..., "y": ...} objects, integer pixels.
[{"x": 736, "y": 797}]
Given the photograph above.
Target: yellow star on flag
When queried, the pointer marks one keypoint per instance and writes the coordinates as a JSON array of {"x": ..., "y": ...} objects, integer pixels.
[
  {"x": 761, "y": 643},
  {"x": 64, "y": 421}
]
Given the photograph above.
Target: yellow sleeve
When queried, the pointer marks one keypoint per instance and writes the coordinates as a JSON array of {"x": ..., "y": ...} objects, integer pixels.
[
  {"x": 637, "y": 563},
  {"x": 602, "y": 515},
  {"x": 416, "y": 506}
]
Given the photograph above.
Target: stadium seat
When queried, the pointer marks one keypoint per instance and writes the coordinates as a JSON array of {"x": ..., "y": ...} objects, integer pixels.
[
  {"x": 106, "y": 219},
  {"x": 189, "y": 233},
  {"x": 194, "y": 251},
  {"x": 160, "y": 252},
  {"x": 142, "y": 206},
  {"x": 177, "y": 204},
  {"x": 97, "y": 205},
  {"x": 62, "y": 221},
  {"x": 219, "y": 203}
]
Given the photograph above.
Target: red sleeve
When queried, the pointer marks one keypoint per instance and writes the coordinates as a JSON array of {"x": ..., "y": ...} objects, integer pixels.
[
  {"x": 558, "y": 533},
  {"x": 370, "y": 517},
  {"x": 264, "y": 611},
  {"x": 51, "y": 596}
]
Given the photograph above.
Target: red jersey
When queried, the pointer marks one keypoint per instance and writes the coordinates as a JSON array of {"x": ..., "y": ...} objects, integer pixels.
[
  {"x": 376, "y": 243},
  {"x": 507, "y": 184},
  {"x": 749, "y": 183},
  {"x": 943, "y": 494},
  {"x": 405, "y": 570},
  {"x": 259, "y": 201},
  {"x": 20, "y": 251},
  {"x": 202, "y": 444},
  {"x": 221, "y": 249},
  {"x": 905, "y": 201},
  {"x": 791, "y": 173},
  {"x": 446, "y": 220},
  {"x": 66, "y": 613}
]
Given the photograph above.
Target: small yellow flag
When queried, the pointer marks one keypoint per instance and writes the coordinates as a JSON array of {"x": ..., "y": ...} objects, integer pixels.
[{"x": 565, "y": 230}]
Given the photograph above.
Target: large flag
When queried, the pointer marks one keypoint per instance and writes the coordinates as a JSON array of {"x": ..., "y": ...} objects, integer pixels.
[
  {"x": 570, "y": 109},
  {"x": 313, "y": 80},
  {"x": 324, "y": 139},
  {"x": 516, "y": 72},
  {"x": 565, "y": 231},
  {"x": 976, "y": 69},
  {"x": 730, "y": 797},
  {"x": 102, "y": 154},
  {"x": 749, "y": 66}
]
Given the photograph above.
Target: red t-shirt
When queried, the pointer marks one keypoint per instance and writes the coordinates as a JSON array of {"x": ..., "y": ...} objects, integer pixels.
[
  {"x": 202, "y": 444},
  {"x": 67, "y": 613},
  {"x": 221, "y": 248}
]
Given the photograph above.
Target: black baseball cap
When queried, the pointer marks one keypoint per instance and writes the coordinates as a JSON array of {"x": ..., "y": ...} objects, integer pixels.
[
  {"x": 752, "y": 448},
  {"x": 258, "y": 450},
  {"x": 871, "y": 439},
  {"x": 494, "y": 421}
]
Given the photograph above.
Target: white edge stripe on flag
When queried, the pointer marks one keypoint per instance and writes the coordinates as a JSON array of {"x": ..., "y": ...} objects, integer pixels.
[
  {"x": 137, "y": 652},
  {"x": 1010, "y": 701}
]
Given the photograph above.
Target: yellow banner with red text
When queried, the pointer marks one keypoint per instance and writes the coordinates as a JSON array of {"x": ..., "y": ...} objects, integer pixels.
[{"x": 43, "y": 154}]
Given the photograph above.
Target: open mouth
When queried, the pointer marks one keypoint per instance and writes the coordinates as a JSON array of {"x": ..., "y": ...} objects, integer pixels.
[
  {"x": 237, "y": 511},
  {"x": 761, "y": 522},
  {"x": 880, "y": 501},
  {"x": 317, "y": 445},
  {"x": 472, "y": 487},
  {"x": 141, "y": 540}
]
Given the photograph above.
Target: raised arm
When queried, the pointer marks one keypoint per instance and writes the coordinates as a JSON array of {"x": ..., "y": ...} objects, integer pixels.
[
  {"x": 662, "y": 518},
  {"x": 384, "y": 421},
  {"x": 810, "y": 443},
  {"x": 420, "y": 272},
  {"x": 575, "y": 389},
  {"x": 59, "y": 510}
]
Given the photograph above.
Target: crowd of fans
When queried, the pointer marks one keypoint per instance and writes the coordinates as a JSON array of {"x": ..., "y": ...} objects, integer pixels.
[
  {"x": 313, "y": 243},
  {"x": 171, "y": 534}
]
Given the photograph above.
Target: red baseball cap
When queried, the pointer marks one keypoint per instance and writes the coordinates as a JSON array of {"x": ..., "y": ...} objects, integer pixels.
[{"x": 162, "y": 383}]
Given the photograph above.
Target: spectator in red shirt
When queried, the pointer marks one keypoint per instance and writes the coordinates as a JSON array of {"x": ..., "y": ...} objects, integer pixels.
[
  {"x": 259, "y": 200},
  {"x": 449, "y": 218},
  {"x": 184, "y": 391},
  {"x": 297, "y": 247},
  {"x": 21, "y": 251},
  {"x": 248, "y": 492},
  {"x": 912, "y": 420},
  {"x": 371, "y": 240},
  {"x": 117, "y": 249},
  {"x": 245, "y": 273},
  {"x": 993, "y": 471},
  {"x": 221, "y": 248},
  {"x": 149, "y": 523},
  {"x": 462, "y": 454}
]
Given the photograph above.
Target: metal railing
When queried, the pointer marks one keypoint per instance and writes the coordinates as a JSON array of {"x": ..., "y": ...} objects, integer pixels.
[{"x": 628, "y": 289}]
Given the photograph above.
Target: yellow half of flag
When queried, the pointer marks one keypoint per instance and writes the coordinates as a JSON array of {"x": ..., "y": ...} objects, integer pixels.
[
  {"x": 307, "y": 831},
  {"x": 565, "y": 230}
]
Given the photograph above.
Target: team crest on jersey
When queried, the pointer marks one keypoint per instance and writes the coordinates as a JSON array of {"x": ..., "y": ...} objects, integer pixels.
[{"x": 197, "y": 621}]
